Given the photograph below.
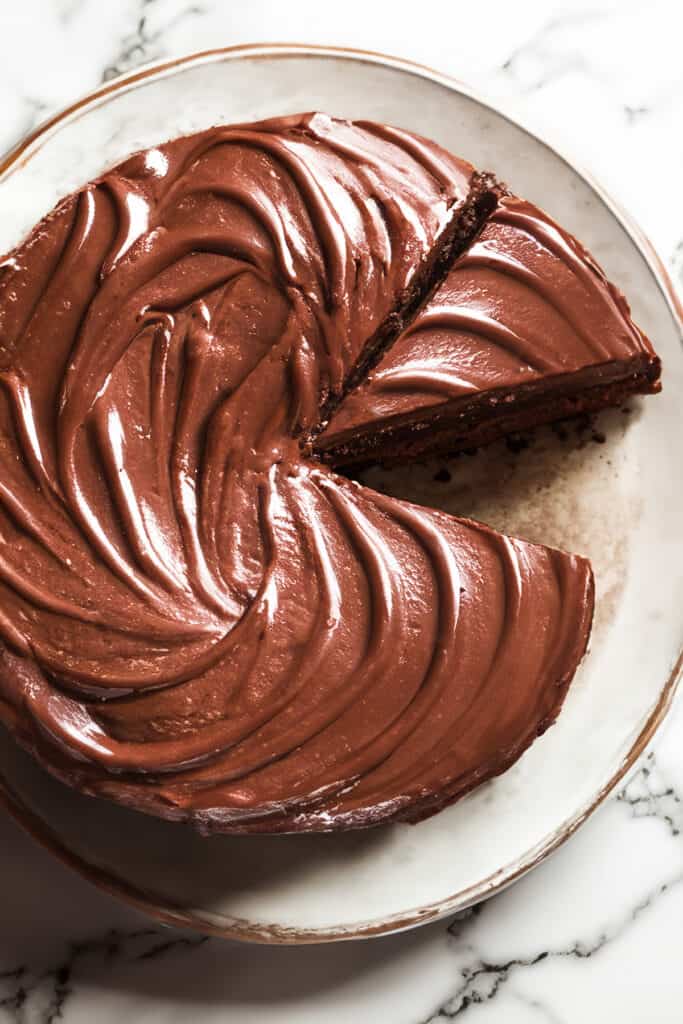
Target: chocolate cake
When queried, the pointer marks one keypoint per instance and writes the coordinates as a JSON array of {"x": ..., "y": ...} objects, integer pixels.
[
  {"x": 198, "y": 617},
  {"x": 525, "y": 329}
]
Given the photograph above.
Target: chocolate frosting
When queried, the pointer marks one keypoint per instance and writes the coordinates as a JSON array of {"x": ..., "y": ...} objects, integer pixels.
[
  {"x": 197, "y": 618},
  {"x": 526, "y": 302}
]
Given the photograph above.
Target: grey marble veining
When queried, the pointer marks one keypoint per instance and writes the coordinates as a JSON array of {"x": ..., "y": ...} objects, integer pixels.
[{"x": 594, "y": 934}]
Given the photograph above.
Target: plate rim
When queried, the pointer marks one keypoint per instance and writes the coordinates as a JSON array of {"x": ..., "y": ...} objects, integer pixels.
[{"x": 241, "y": 929}]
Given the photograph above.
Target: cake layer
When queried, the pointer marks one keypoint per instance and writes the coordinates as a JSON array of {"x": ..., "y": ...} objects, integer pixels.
[
  {"x": 197, "y": 618},
  {"x": 525, "y": 329}
]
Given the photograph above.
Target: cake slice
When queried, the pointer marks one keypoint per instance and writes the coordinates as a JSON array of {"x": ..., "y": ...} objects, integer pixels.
[{"x": 525, "y": 329}]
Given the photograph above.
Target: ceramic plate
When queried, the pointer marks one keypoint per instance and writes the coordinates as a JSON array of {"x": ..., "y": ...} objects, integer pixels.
[{"x": 618, "y": 502}]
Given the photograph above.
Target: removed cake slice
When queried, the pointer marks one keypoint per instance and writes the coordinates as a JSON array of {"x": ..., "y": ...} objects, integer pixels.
[{"x": 524, "y": 330}]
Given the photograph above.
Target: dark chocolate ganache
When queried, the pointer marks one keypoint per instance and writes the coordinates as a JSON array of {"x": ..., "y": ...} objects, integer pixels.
[{"x": 198, "y": 618}]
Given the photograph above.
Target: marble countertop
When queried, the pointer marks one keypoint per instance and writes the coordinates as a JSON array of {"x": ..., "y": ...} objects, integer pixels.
[{"x": 594, "y": 934}]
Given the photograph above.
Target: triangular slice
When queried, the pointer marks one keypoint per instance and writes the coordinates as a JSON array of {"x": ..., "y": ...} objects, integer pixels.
[{"x": 525, "y": 329}]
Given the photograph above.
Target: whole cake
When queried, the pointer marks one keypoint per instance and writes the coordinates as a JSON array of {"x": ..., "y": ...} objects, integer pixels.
[{"x": 198, "y": 617}]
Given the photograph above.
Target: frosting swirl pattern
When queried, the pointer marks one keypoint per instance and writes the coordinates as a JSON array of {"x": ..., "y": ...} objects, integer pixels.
[{"x": 197, "y": 618}]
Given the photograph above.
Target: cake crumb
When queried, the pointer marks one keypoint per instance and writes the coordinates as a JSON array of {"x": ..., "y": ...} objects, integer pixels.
[
  {"x": 560, "y": 431},
  {"x": 517, "y": 442}
]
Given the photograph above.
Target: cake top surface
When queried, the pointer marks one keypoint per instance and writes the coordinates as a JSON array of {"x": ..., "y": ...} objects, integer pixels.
[{"x": 197, "y": 617}]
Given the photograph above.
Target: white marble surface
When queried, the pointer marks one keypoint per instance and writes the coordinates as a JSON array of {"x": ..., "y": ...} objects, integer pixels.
[{"x": 594, "y": 935}]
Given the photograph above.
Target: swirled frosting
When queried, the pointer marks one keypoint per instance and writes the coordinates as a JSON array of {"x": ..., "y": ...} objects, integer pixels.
[
  {"x": 524, "y": 311},
  {"x": 197, "y": 617}
]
